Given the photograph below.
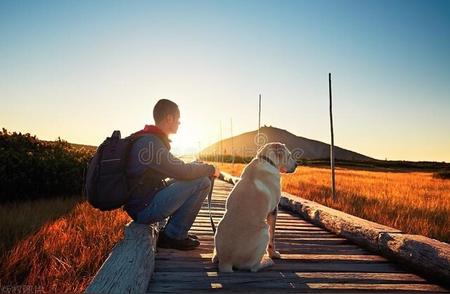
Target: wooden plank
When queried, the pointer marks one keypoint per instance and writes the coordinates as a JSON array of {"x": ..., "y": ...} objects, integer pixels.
[
  {"x": 332, "y": 257},
  {"x": 130, "y": 265},
  {"x": 425, "y": 255},
  {"x": 279, "y": 284},
  {"x": 235, "y": 285},
  {"x": 359, "y": 230},
  {"x": 294, "y": 278},
  {"x": 293, "y": 257},
  {"x": 419, "y": 252},
  {"x": 176, "y": 266},
  {"x": 396, "y": 287},
  {"x": 310, "y": 256},
  {"x": 206, "y": 246},
  {"x": 235, "y": 282},
  {"x": 302, "y": 276},
  {"x": 356, "y": 276}
]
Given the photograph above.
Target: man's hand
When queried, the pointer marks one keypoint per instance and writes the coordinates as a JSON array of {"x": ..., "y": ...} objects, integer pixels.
[{"x": 216, "y": 172}]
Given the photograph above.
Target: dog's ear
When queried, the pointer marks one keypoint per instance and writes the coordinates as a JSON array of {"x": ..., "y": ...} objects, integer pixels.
[{"x": 280, "y": 153}]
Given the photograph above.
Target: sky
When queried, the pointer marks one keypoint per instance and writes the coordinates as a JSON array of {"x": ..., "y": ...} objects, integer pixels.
[{"x": 81, "y": 69}]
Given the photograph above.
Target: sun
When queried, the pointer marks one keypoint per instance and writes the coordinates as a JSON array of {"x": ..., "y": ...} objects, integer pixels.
[{"x": 187, "y": 141}]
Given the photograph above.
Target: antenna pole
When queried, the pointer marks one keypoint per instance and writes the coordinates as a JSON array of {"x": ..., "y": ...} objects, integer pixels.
[{"x": 333, "y": 183}]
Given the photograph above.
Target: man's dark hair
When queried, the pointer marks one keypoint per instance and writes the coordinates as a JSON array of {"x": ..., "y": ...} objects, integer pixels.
[{"x": 163, "y": 108}]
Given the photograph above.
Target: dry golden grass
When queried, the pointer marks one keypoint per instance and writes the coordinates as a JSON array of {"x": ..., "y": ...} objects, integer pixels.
[
  {"x": 64, "y": 255},
  {"x": 413, "y": 202},
  {"x": 21, "y": 218}
]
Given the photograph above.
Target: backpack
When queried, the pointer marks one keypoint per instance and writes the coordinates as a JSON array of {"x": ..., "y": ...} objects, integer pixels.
[{"x": 106, "y": 183}]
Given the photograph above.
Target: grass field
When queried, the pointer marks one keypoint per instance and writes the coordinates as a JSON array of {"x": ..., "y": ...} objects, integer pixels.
[
  {"x": 414, "y": 202},
  {"x": 21, "y": 218},
  {"x": 62, "y": 255}
]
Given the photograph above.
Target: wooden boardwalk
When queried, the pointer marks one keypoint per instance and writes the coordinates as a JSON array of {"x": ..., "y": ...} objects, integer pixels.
[{"x": 313, "y": 260}]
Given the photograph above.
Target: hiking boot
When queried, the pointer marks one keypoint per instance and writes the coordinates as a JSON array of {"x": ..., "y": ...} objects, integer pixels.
[{"x": 165, "y": 241}]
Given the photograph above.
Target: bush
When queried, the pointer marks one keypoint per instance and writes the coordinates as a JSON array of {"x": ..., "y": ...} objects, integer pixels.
[
  {"x": 442, "y": 174},
  {"x": 31, "y": 168}
]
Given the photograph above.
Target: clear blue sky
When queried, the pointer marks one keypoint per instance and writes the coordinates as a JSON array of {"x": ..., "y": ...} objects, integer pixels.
[{"x": 79, "y": 69}]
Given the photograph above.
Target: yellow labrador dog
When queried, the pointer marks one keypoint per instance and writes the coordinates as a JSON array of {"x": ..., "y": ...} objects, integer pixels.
[{"x": 247, "y": 229}]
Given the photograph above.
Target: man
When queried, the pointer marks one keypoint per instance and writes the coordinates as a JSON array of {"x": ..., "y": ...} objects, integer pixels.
[{"x": 154, "y": 199}]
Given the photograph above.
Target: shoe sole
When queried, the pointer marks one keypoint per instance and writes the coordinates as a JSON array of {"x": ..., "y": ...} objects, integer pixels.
[{"x": 177, "y": 248}]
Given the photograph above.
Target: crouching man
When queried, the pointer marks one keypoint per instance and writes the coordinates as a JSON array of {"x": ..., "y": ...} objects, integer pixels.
[{"x": 155, "y": 198}]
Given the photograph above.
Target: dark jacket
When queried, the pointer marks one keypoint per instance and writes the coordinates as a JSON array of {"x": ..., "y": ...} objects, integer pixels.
[{"x": 150, "y": 156}]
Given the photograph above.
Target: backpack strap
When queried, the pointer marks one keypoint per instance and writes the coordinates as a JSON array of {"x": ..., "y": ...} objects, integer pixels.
[{"x": 139, "y": 179}]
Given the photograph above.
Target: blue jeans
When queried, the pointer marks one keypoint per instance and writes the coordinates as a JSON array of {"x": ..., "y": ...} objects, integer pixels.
[{"x": 181, "y": 201}]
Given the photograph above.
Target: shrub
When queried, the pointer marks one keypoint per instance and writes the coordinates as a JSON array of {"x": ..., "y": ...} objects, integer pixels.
[
  {"x": 31, "y": 168},
  {"x": 442, "y": 174}
]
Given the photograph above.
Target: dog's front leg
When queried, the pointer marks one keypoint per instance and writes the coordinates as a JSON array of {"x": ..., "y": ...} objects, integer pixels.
[{"x": 271, "y": 221}]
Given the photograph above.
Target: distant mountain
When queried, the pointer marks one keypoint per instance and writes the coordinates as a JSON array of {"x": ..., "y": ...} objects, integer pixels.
[{"x": 245, "y": 145}]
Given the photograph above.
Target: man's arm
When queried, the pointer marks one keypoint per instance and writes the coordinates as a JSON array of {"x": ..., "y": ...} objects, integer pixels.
[{"x": 154, "y": 154}]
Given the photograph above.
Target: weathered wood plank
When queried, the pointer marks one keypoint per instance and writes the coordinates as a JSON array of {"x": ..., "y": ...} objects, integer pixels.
[
  {"x": 396, "y": 287},
  {"x": 279, "y": 284},
  {"x": 355, "y": 276},
  {"x": 292, "y": 257},
  {"x": 418, "y": 252},
  {"x": 206, "y": 248},
  {"x": 425, "y": 255},
  {"x": 312, "y": 256},
  {"x": 244, "y": 280},
  {"x": 302, "y": 276},
  {"x": 130, "y": 265},
  {"x": 353, "y": 228},
  {"x": 199, "y": 265}
]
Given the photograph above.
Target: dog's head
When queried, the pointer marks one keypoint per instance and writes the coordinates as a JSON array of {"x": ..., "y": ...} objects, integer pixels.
[{"x": 280, "y": 155}]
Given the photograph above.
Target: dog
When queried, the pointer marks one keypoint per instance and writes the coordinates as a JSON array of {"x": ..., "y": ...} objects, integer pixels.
[{"x": 246, "y": 231}]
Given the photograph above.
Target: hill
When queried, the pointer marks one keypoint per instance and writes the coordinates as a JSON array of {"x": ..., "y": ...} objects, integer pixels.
[{"x": 244, "y": 145}]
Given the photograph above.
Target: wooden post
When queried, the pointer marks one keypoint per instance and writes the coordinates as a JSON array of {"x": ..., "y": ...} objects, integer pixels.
[
  {"x": 221, "y": 145},
  {"x": 130, "y": 265},
  {"x": 259, "y": 123},
  {"x": 333, "y": 184},
  {"x": 232, "y": 142},
  {"x": 259, "y": 115}
]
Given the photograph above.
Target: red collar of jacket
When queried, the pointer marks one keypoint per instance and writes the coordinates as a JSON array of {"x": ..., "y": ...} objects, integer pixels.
[{"x": 154, "y": 130}]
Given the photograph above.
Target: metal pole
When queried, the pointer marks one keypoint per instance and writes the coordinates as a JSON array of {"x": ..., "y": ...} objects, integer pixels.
[{"x": 333, "y": 183}]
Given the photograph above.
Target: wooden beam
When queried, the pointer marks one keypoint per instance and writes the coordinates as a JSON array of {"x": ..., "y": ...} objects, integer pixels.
[{"x": 130, "y": 265}]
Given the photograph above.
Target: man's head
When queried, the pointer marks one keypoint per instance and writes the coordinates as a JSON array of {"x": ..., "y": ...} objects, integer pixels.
[{"x": 167, "y": 116}]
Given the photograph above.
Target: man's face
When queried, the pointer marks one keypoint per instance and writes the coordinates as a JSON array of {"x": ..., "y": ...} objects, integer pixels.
[{"x": 173, "y": 122}]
